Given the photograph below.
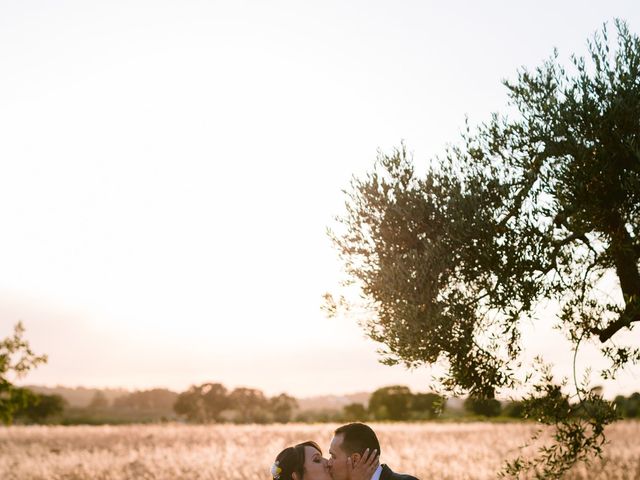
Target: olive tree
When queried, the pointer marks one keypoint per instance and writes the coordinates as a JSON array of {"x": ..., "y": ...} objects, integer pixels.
[{"x": 539, "y": 205}]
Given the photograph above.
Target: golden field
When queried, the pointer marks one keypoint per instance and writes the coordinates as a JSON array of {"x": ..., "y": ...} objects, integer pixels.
[{"x": 231, "y": 452}]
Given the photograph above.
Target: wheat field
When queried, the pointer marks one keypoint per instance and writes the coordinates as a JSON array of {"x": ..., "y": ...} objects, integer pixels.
[{"x": 232, "y": 452}]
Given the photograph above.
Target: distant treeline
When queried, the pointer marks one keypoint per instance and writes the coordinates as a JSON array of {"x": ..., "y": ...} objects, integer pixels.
[
  {"x": 214, "y": 403},
  {"x": 147, "y": 406},
  {"x": 206, "y": 403}
]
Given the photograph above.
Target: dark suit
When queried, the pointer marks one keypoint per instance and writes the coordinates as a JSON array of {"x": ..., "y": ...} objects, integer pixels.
[{"x": 388, "y": 474}]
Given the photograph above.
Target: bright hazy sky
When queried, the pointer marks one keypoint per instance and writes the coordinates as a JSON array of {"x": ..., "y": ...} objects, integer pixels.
[{"x": 168, "y": 170}]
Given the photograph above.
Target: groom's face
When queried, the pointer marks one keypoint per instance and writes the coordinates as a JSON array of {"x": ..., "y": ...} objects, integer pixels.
[{"x": 338, "y": 459}]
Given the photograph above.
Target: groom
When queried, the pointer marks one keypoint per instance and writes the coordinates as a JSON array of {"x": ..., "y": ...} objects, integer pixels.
[{"x": 350, "y": 441}]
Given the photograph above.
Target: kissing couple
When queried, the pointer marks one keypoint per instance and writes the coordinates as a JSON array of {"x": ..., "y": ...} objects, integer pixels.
[{"x": 353, "y": 455}]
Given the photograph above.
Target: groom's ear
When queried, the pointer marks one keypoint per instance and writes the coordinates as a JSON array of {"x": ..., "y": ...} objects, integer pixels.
[
  {"x": 295, "y": 476},
  {"x": 355, "y": 458}
]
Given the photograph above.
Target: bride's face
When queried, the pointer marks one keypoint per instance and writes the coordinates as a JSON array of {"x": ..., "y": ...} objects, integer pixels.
[{"x": 315, "y": 465}]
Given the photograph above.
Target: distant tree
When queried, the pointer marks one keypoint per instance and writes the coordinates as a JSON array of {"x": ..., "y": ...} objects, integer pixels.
[
  {"x": 42, "y": 407},
  {"x": 202, "y": 403},
  {"x": 155, "y": 399},
  {"x": 99, "y": 401},
  {"x": 539, "y": 205},
  {"x": 16, "y": 359},
  {"x": 354, "y": 412},
  {"x": 620, "y": 403},
  {"x": 628, "y": 407},
  {"x": 488, "y": 407},
  {"x": 426, "y": 404},
  {"x": 282, "y": 407},
  {"x": 514, "y": 409},
  {"x": 633, "y": 405},
  {"x": 250, "y": 405},
  {"x": 390, "y": 403}
]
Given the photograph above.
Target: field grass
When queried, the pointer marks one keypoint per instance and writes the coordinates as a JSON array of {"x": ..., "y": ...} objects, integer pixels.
[{"x": 430, "y": 450}]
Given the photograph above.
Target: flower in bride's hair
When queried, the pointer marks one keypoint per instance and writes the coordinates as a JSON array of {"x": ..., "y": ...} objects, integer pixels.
[{"x": 276, "y": 470}]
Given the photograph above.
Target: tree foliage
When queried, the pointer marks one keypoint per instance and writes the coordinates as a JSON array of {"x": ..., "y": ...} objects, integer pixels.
[
  {"x": 391, "y": 403},
  {"x": 42, "y": 408},
  {"x": 202, "y": 403},
  {"x": 212, "y": 402},
  {"x": 628, "y": 407},
  {"x": 155, "y": 399},
  {"x": 354, "y": 412},
  {"x": 488, "y": 407},
  {"x": 541, "y": 205},
  {"x": 397, "y": 402},
  {"x": 250, "y": 405},
  {"x": 427, "y": 405},
  {"x": 16, "y": 359},
  {"x": 282, "y": 407}
]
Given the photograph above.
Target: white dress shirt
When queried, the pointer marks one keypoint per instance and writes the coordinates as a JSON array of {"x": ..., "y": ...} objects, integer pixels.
[{"x": 377, "y": 473}]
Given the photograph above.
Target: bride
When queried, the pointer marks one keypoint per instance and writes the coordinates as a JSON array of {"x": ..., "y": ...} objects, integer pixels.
[{"x": 304, "y": 461}]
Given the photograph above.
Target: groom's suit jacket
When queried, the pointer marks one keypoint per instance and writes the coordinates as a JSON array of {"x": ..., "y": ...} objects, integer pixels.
[{"x": 388, "y": 474}]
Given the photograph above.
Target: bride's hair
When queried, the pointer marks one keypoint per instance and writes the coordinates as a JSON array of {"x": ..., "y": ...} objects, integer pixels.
[{"x": 291, "y": 460}]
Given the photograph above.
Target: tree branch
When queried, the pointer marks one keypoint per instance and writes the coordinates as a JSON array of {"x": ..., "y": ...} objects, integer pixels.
[
  {"x": 631, "y": 314},
  {"x": 530, "y": 180},
  {"x": 626, "y": 263}
]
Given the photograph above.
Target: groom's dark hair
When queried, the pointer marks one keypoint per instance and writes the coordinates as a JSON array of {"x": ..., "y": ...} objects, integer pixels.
[{"x": 357, "y": 438}]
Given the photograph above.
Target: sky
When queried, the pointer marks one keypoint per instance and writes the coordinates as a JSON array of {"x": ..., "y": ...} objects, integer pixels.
[{"x": 168, "y": 171}]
